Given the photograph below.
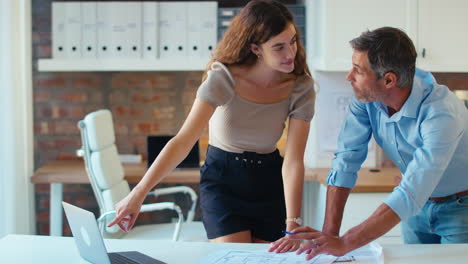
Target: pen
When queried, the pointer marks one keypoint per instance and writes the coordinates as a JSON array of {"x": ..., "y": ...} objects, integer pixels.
[{"x": 289, "y": 233}]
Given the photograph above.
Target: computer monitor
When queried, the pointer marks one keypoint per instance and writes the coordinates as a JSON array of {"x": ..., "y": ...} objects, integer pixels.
[{"x": 155, "y": 144}]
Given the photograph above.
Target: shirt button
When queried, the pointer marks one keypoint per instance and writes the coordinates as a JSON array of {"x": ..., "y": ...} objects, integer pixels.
[
  {"x": 393, "y": 142},
  {"x": 399, "y": 161}
]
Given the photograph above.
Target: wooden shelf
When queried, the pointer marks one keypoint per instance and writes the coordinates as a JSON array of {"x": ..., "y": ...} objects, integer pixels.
[{"x": 94, "y": 65}]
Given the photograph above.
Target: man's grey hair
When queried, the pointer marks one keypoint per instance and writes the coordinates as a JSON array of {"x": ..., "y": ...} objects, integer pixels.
[{"x": 389, "y": 50}]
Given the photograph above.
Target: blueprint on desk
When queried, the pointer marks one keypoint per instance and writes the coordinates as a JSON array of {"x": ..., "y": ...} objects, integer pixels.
[
  {"x": 260, "y": 256},
  {"x": 372, "y": 254}
]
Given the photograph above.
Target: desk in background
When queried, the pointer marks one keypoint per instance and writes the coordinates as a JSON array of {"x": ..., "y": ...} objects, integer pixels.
[
  {"x": 57, "y": 173},
  {"x": 45, "y": 249}
]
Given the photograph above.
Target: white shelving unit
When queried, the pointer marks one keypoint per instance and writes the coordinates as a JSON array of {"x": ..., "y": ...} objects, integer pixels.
[{"x": 93, "y": 65}]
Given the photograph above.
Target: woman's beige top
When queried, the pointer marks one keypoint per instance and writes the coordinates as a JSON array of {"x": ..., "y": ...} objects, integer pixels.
[{"x": 239, "y": 125}]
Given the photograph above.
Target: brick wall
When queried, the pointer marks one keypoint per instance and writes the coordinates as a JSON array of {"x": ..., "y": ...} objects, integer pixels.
[{"x": 142, "y": 103}]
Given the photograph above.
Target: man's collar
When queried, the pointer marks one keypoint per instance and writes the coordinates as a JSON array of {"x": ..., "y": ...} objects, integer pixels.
[{"x": 411, "y": 107}]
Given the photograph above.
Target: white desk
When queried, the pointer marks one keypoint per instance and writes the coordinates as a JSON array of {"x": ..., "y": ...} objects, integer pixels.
[{"x": 46, "y": 249}]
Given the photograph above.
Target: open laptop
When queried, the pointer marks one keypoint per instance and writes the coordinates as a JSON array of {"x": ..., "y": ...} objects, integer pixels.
[{"x": 90, "y": 244}]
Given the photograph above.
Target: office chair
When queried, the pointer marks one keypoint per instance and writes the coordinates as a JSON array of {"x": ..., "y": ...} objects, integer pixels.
[{"x": 106, "y": 175}]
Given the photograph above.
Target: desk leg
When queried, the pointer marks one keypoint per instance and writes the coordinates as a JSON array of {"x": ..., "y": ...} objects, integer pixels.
[{"x": 56, "y": 196}]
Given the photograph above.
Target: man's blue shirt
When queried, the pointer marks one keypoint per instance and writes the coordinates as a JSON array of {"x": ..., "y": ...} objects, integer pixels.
[{"x": 426, "y": 139}]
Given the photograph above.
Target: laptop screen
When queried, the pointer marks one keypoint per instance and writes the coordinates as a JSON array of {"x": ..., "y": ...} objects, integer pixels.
[
  {"x": 90, "y": 244},
  {"x": 155, "y": 144}
]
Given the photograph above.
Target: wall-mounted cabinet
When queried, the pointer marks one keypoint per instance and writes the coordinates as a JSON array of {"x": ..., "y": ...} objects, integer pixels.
[
  {"x": 442, "y": 35},
  {"x": 436, "y": 28},
  {"x": 335, "y": 22}
]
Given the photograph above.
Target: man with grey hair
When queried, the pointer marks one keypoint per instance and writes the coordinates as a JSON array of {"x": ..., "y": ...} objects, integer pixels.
[{"x": 422, "y": 127}]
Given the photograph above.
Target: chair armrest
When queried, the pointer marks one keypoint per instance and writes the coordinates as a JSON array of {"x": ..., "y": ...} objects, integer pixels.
[
  {"x": 148, "y": 208},
  {"x": 159, "y": 206},
  {"x": 176, "y": 189},
  {"x": 180, "y": 189}
]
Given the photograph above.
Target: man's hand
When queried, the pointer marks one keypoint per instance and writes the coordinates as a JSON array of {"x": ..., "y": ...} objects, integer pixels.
[{"x": 379, "y": 223}]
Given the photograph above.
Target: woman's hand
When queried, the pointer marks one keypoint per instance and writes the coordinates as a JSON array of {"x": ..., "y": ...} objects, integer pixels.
[
  {"x": 127, "y": 211},
  {"x": 316, "y": 242},
  {"x": 285, "y": 244}
]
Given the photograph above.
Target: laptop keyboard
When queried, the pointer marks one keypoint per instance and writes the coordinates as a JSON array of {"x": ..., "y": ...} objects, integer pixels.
[{"x": 116, "y": 258}]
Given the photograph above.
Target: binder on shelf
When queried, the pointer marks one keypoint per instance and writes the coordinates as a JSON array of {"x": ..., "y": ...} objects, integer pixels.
[
  {"x": 165, "y": 47},
  {"x": 125, "y": 26},
  {"x": 72, "y": 30},
  {"x": 172, "y": 28},
  {"x": 119, "y": 30},
  {"x": 209, "y": 22},
  {"x": 89, "y": 30},
  {"x": 194, "y": 30},
  {"x": 179, "y": 35},
  {"x": 104, "y": 30},
  {"x": 66, "y": 30},
  {"x": 58, "y": 30},
  {"x": 131, "y": 38},
  {"x": 150, "y": 30}
]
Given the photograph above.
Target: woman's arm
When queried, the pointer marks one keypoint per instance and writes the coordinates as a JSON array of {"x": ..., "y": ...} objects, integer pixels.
[
  {"x": 293, "y": 180},
  {"x": 171, "y": 155},
  {"x": 293, "y": 168}
]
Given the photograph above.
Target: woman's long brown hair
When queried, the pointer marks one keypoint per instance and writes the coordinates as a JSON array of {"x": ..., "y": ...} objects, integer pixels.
[{"x": 256, "y": 23}]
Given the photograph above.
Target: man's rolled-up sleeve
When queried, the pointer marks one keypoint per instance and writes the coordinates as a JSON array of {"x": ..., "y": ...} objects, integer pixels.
[{"x": 352, "y": 146}]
